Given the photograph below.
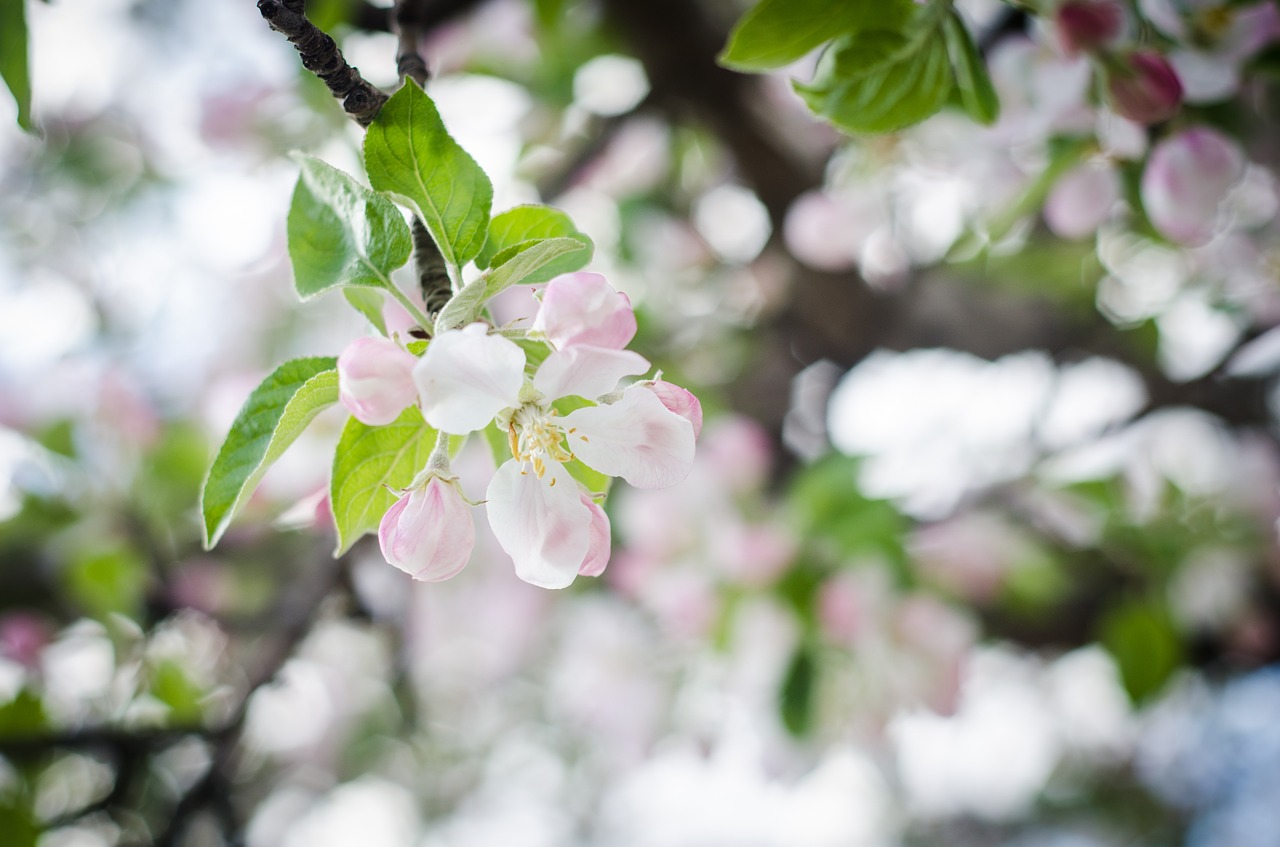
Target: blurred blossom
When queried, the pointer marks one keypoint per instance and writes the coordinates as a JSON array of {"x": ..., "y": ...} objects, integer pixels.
[
  {"x": 610, "y": 84},
  {"x": 1186, "y": 179},
  {"x": 1215, "y": 38},
  {"x": 23, "y": 635},
  {"x": 1086, "y": 25},
  {"x": 1081, "y": 200},
  {"x": 1144, "y": 88},
  {"x": 733, "y": 221},
  {"x": 826, "y": 230}
]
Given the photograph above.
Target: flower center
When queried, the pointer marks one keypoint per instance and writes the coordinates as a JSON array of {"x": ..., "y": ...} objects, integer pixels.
[{"x": 535, "y": 435}]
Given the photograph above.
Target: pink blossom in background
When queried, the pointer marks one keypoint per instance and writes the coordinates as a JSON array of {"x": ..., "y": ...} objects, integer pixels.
[
  {"x": 1186, "y": 179},
  {"x": 826, "y": 230},
  {"x": 1145, "y": 89},
  {"x": 1086, "y": 25},
  {"x": 428, "y": 533},
  {"x": 375, "y": 380},
  {"x": 1082, "y": 200},
  {"x": 23, "y": 635}
]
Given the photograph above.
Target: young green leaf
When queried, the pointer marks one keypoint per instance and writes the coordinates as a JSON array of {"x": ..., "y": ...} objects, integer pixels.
[
  {"x": 977, "y": 94},
  {"x": 275, "y": 414},
  {"x": 778, "y": 32},
  {"x": 367, "y": 461},
  {"x": 341, "y": 233},
  {"x": 408, "y": 152},
  {"x": 14, "y": 67},
  {"x": 368, "y": 303},
  {"x": 533, "y": 223},
  {"x": 526, "y": 260},
  {"x": 881, "y": 81}
]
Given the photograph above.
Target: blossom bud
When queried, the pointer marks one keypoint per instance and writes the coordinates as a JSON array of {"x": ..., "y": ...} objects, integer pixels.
[
  {"x": 428, "y": 533},
  {"x": 375, "y": 380},
  {"x": 1146, "y": 89},
  {"x": 1086, "y": 25},
  {"x": 599, "y": 547},
  {"x": 1187, "y": 177},
  {"x": 584, "y": 309},
  {"x": 679, "y": 400}
]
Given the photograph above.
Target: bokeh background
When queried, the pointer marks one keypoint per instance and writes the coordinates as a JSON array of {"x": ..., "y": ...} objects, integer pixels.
[{"x": 980, "y": 545}]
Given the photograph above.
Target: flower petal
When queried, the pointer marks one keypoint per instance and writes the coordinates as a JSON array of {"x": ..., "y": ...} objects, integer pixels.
[
  {"x": 541, "y": 523},
  {"x": 636, "y": 438},
  {"x": 586, "y": 371},
  {"x": 679, "y": 400},
  {"x": 466, "y": 377},
  {"x": 601, "y": 541},
  {"x": 429, "y": 532},
  {"x": 375, "y": 380},
  {"x": 583, "y": 308}
]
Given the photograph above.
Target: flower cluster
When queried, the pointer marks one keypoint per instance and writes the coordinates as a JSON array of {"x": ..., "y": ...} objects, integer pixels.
[{"x": 566, "y": 408}]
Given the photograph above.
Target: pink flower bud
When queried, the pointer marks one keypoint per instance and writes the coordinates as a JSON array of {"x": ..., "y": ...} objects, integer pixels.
[
  {"x": 1086, "y": 25},
  {"x": 1146, "y": 90},
  {"x": 1187, "y": 177},
  {"x": 428, "y": 533},
  {"x": 375, "y": 380},
  {"x": 23, "y": 635},
  {"x": 584, "y": 309},
  {"x": 598, "y": 548},
  {"x": 1082, "y": 200},
  {"x": 679, "y": 400}
]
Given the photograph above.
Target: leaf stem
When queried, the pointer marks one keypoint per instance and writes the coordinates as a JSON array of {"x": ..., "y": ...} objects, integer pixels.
[{"x": 418, "y": 314}]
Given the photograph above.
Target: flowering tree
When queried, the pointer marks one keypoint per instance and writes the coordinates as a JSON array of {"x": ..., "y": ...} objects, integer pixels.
[{"x": 979, "y": 299}]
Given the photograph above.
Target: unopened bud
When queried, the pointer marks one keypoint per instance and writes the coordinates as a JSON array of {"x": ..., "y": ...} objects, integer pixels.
[
  {"x": 429, "y": 533},
  {"x": 1086, "y": 25},
  {"x": 1145, "y": 88}
]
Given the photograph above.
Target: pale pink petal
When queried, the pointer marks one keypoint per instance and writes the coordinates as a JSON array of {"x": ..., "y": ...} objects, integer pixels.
[
  {"x": 541, "y": 523},
  {"x": 1081, "y": 200},
  {"x": 586, "y": 371},
  {"x": 375, "y": 380},
  {"x": 582, "y": 308},
  {"x": 1186, "y": 179},
  {"x": 679, "y": 400},
  {"x": 428, "y": 533},
  {"x": 601, "y": 541},
  {"x": 466, "y": 377},
  {"x": 636, "y": 438}
]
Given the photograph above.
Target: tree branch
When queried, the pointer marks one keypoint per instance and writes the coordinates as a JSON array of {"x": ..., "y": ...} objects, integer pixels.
[{"x": 320, "y": 55}]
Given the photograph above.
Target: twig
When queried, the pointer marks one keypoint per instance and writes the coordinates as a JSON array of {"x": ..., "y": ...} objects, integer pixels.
[
  {"x": 407, "y": 24},
  {"x": 320, "y": 55}
]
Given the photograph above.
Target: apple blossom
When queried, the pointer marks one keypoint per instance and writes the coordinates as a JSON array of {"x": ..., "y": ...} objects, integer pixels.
[
  {"x": 678, "y": 400},
  {"x": 1186, "y": 179},
  {"x": 375, "y": 380},
  {"x": 1086, "y": 25},
  {"x": 428, "y": 533},
  {"x": 1081, "y": 200},
  {"x": 1145, "y": 88},
  {"x": 537, "y": 511}
]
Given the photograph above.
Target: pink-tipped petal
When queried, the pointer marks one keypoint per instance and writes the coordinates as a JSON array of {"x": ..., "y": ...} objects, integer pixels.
[
  {"x": 600, "y": 544},
  {"x": 582, "y": 308},
  {"x": 636, "y": 438},
  {"x": 375, "y": 380},
  {"x": 541, "y": 523},
  {"x": 1082, "y": 200},
  {"x": 586, "y": 371},
  {"x": 1186, "y": 179},
  {"x": 466, "y": 377},
  {"x": 679, "y": 400},
  {"x": 428, "y": 533}
]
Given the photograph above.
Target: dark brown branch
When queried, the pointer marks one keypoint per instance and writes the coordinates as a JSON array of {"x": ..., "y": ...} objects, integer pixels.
[
  {"x": 320, "y": 55},
  {"x": 407, "y": 24}
]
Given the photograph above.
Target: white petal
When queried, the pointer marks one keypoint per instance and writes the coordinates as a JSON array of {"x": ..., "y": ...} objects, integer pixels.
[
  {"x": 636, "y": 438},
  {"x": 541, "y": 523},
  {"x": 586, "y": 371},
  {"x": 466, "y": 377}
]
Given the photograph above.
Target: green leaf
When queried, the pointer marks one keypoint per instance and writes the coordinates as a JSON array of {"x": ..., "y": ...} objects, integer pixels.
[
  {"x": 977, "y": 94},
  {"x": 18, "y": 826},
  {"x": 1141, "y": 638},
  {"x": 526, "y": 262},
  {"x": 407, "y": 152},
  {"x": 275, "y": 414},
  {"x": 23, "y": 717},
  {"x": 108, "y": 581},
  {"x": 881, "y": 80},
  {"x": 796, "y": 697},
  {"x": 341, "y": 233},
  {"x": 778, "y": 32},
  {"x": 534, "y": 223},
  {"x": 368, "y": 460},
  {"x": 369, "y": 304},
  {"x": 13, "y": 57},
  {"x": 171, "y": 685}
]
